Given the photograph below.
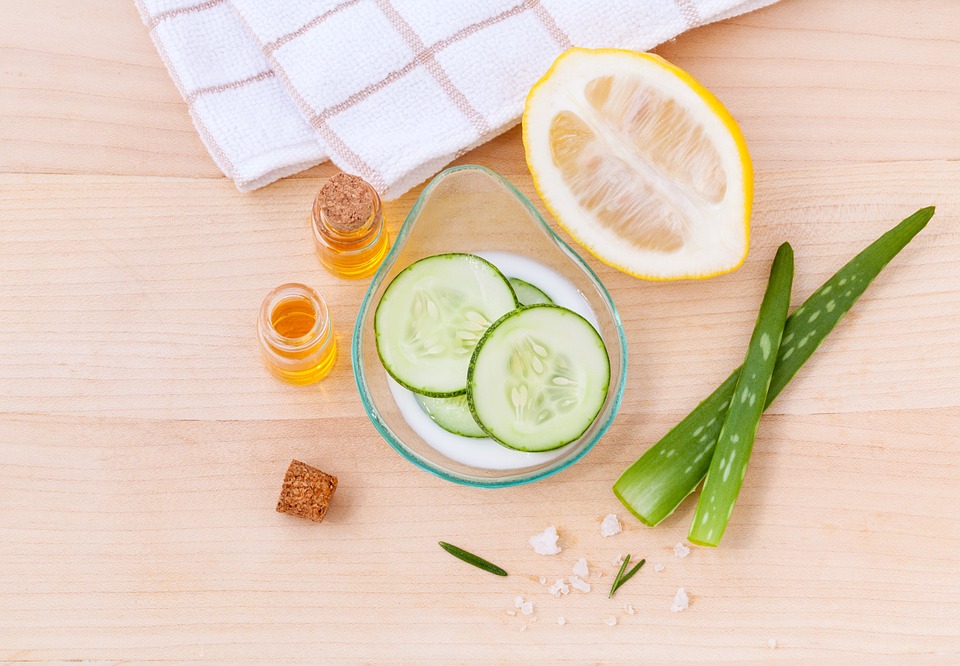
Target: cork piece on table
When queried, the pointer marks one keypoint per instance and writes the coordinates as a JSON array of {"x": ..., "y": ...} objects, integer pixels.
[{"x": 306, "y": 492}]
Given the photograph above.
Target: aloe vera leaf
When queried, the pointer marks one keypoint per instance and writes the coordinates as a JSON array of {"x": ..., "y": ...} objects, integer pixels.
[
  {"x": 653, "y": 487},
  {"x": 735, "y": 443}
]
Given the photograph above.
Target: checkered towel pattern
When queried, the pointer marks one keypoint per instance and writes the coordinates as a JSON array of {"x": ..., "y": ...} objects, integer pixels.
[{"x": 390, "y": 90}]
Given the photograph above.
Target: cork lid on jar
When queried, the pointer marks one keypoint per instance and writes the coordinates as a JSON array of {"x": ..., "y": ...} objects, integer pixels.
[{"x": 346, "y": 203}]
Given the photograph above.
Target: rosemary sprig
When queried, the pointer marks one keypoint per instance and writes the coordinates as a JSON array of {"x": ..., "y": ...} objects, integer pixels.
[
  {"x": 470, "y": 558},
  {"x": 622, "y": 577}
]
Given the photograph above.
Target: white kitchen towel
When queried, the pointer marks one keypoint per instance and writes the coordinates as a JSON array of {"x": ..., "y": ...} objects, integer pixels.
[{"x": 390, "y": 90}]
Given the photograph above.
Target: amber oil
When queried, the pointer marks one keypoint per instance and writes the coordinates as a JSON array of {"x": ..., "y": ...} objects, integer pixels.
[
  {"x": 296, "y": 334},
  {"x": 348, "y": 227}
]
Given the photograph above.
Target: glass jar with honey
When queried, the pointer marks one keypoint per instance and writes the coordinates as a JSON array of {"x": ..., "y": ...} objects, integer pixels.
[
  {"x": 348, "y": 227},
  {"x": 296, "y": 334}
]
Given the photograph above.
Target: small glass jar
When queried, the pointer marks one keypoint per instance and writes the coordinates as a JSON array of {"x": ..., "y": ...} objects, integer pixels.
[
  {"x": 352, "y": 241},
  {"x": 296, "y": 334}
]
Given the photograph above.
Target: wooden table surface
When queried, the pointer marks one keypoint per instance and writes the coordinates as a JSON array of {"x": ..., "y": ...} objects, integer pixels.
[{"x": 142, "y": 444}]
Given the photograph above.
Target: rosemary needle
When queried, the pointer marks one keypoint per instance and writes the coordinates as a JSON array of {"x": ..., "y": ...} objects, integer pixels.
[
  {"x": 470, "y": 558},
  {"x": 622, "y": 577}
]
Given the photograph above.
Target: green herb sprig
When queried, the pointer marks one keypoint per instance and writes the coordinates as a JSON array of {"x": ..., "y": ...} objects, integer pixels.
[
  {"x": 470, "y": 558},
  {"x": 622, "y": 577}
]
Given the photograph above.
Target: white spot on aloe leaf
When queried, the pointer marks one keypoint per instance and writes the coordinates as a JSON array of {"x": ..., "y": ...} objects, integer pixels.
[
  {"x": 831, "y": 305},
  {"x": 706, "y": 517},
  {"x": 735, "y": 438},
  {"x": 753, "y": 399},
  {"x": 843, "y": 281},
  {"x": 787, "y": 354},
  {"x": 826, "y": 290},
  {"x": 765, "y": 345},
  {"x": 813, "y": 317},
  {"x": 698, "y": 431}
]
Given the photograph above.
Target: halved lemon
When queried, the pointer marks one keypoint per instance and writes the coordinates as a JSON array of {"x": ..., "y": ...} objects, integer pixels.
[{"x": 641, "y": 164}]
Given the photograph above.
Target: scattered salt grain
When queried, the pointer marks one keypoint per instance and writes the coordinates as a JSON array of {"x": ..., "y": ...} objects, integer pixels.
[
  {"x": 772, "y": 643},
  {"x": 545, "y": 543},
  {"x": 680, "y": 601},
  {"x": 610, "y": 525},
  {"x": 523, "y": 627},
  {"x": 600, "y": 573},
  {"x": 527, "y": 608},
  {"x": 561, "y": 620},
  {"x": 559, "y": 588},
  {"x": 658, "y": 567},
  {"x": 579, "y": 584},
  {"x": 580, "y": 568},
  {"x": 629, "y": 608},
  {"x": 543, "y": 580},
  {"x": 680, "y": 550},
  {"x": 511, "y": 612},
  {"x": 618, "y": 560},
  {"x": 517, "y": 601},
  {"x": 610, "y": 621}
]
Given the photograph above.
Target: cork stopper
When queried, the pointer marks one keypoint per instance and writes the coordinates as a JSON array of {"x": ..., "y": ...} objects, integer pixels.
[
  {"x": 346, "y": 202},
  {"x": 306, "y": 492}
]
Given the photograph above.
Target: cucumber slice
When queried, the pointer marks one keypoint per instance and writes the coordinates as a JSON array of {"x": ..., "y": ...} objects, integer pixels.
[
  {"x": 538, "y": 378},
  {"x": 451, "y": 414},
  {"x": 527, "y": 294},
  {"x": 431, "y": 317}
]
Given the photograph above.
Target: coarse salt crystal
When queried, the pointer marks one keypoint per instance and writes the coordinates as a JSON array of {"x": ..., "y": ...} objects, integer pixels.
[
  {"x": 580, "y": 568},
  {"x": 680, "y": 550},
  {"x": 610, "y": 525},
  {"x": 629, "y": 609},
  {"x": 658, "y": 567},
  {"x": 680, "y": 601},
  {"x": 618, "y": 560},
  {"x": 772, "y": 643},
  {"x": 545, "y": 543},
  {"x": 543, "y": 580},
  {"x": 517, "y": 601},
  {"x": 523, "y": 627},
  {"x": 527, "y": 608},
  {"x": 559, "y": 588},
  {"x": 578, "y": 584},
  {"x": 561, "y": 620},
  {"x": 511, "y": 612},
  {"x": 610, "y": 621}
]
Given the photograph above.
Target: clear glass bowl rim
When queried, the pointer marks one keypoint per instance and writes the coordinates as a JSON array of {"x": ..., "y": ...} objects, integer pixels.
[{"x": 355, "y": 346}]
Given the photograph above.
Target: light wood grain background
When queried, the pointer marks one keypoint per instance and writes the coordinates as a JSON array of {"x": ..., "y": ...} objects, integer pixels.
[{"x": 142, "y": 445}]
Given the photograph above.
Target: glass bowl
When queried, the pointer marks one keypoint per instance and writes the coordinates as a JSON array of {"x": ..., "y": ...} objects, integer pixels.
[{"x": 472, "y": 209}]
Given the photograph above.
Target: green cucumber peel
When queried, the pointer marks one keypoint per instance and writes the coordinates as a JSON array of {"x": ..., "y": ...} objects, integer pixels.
[
  {"x": 655, "y": 485},
  {"x": 735, "y": 443}
]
